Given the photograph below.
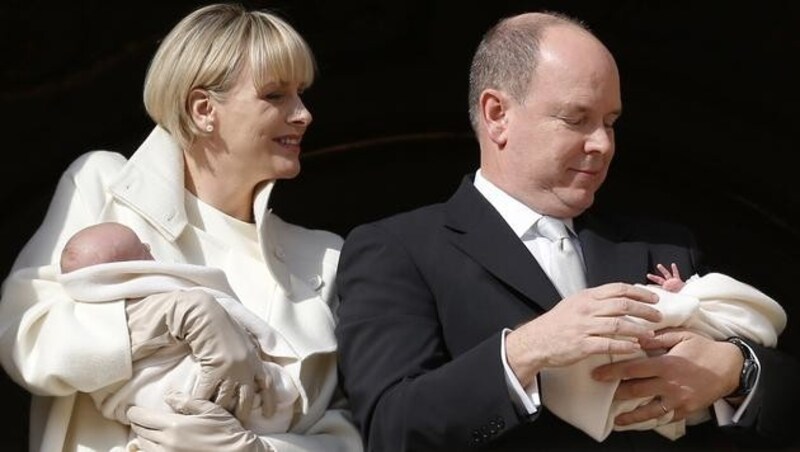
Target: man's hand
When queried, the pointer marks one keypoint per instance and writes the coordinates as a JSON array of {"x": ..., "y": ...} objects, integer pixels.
[
  {"x": 231, "y": 371},
  {"x": 196, "y": 426},
  {"x": 695, "y": 372},
  {"x": 590, "y": 322}
]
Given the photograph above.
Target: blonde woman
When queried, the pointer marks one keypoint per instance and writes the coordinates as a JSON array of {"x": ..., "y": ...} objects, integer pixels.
[{"x": 224, "y": 90}]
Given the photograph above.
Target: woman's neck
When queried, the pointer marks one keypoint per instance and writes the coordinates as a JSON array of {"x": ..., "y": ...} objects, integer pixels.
[{"x": 225, "y": 193}]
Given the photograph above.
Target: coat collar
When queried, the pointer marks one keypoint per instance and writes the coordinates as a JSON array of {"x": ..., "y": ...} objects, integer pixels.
[
  {"x": 610, "y": 255},
  {"x": 152, "y": 183},
  {"x": 481, "y": 233}
]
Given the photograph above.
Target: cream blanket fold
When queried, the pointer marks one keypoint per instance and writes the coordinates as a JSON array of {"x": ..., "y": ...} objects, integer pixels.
[
  {"x": 715, "y": 304},
  {"x": 173, "y": 367}
]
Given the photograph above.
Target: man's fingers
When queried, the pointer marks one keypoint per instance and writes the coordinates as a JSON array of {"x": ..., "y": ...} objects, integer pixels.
[
  {"x": 663, "y": 339},
  {"x": 638, "y": 388},
  {"x": 619, "y": 326},
  {"x": 626, "y": 306},
  {"x": 634, "y": 368},
  {"x": 652, "y": 410},
  {"x": 622, "y": 290}
]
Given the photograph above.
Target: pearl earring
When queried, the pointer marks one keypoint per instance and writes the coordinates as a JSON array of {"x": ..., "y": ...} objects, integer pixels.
[{"x": 209, "y": 127}]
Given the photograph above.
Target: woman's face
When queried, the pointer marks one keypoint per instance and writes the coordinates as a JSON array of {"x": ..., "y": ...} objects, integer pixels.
[{"x": 260, "y": 131}]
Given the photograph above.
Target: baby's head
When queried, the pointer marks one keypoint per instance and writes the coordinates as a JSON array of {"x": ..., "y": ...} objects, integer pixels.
[{"x": 102, "y": 243}]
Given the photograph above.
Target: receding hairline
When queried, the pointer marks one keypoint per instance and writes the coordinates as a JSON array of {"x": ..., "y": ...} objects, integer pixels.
[
  {"x": 507, "y": 55},
  {"x": 543, "y": 20}
]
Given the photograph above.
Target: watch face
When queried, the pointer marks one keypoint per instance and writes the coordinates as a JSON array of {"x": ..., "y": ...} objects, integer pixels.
[{"x": 749, "y": 374}]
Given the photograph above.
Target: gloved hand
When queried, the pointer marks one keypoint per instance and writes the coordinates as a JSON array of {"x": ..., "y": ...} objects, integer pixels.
[
  {"x": 197, "y": 425},
  {"x": 231, "y": 372}
]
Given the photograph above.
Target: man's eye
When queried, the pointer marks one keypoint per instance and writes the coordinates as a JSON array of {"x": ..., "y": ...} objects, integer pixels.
[{"x": 573, "y": 121}]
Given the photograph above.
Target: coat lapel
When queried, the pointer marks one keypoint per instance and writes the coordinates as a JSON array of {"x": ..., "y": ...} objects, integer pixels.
[
  {"x": 479, "y": 231},
  {"x": 607, "y": 254}
]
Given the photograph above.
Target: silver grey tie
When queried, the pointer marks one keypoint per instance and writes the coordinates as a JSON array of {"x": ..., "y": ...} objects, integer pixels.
[{"x": 566, "y": 268}]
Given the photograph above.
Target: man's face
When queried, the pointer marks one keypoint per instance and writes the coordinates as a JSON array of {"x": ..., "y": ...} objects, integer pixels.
[{"x": 561, "y": 138}]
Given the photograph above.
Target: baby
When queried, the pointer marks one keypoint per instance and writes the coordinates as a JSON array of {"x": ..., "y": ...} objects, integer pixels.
[
  {"x": 108, "y": 261},
  {"x": 714, "y": 304}
]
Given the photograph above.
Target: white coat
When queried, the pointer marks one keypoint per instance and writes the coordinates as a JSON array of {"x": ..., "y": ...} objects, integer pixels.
[{"x": 59, "y": 349}]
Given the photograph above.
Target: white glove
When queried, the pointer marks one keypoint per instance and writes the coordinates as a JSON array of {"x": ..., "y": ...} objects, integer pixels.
[
  {"x": 196, "y": 426},
  {"x": 231, "y": 372}
]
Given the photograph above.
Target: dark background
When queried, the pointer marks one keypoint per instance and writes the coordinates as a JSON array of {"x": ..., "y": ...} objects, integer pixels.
[{"x": 709, "y": 136}]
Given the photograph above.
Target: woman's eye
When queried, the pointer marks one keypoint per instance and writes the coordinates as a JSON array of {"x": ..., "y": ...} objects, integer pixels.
[{"x": 274, "y": 96}]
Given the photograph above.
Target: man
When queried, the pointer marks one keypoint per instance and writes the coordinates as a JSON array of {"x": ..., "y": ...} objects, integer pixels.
[{"x": 452, "y": 315}]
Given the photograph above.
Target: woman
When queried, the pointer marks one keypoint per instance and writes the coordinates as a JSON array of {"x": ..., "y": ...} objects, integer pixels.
[{"x": 224, "y": 90}]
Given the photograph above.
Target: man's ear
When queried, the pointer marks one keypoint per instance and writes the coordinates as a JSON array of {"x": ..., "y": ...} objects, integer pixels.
[
  {"x": 494, "y": 113},
  {"x": 201, "y": 109}
]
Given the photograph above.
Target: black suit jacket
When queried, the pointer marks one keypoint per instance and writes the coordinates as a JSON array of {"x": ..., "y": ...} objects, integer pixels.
[{"x": 425, "y": 296}]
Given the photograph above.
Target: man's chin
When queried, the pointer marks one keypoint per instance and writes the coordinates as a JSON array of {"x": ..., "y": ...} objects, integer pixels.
[{"x": 576, "y": 205}]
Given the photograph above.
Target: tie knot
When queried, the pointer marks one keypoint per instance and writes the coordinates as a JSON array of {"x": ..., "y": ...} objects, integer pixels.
[{"x": 552, "y": 229}]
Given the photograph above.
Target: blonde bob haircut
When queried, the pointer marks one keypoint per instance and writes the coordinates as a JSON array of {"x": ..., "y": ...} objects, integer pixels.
[{"x": 208, "y": 49}]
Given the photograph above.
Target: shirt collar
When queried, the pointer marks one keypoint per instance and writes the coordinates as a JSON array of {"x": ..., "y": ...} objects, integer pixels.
[{"x": 518, "y": 216}]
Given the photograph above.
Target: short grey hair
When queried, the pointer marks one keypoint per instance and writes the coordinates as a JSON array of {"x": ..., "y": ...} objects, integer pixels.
[{"x": 507, "y": 56}]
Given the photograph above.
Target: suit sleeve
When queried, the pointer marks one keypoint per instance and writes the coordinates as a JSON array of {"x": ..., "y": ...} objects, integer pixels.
[{"x": 406, "y": 390}]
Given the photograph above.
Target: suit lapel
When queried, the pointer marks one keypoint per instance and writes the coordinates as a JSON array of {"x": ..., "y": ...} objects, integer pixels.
[{"x": 478, "y": 230}]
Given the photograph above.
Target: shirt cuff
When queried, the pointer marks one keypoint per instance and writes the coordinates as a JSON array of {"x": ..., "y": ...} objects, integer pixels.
[{"x": 527, "y": 399}]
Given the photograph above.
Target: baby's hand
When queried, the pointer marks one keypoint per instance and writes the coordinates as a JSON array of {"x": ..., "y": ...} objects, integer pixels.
[{"x": 670, "y": 281}]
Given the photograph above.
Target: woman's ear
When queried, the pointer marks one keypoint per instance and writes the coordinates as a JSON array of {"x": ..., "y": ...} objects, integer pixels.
[
  {"x": 201, "y": 109},
  {"x": 494, "y": 114}
]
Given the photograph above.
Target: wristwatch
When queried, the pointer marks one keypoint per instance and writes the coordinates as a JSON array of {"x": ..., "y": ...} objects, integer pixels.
[{"x": 747, "y": 379}]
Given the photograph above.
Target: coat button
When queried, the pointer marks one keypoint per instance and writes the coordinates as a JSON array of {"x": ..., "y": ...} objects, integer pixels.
[
  {"x": 280, "y": 254},
  {"x": 316, "y": 282},
  {"x": 501, "y": 424}
]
